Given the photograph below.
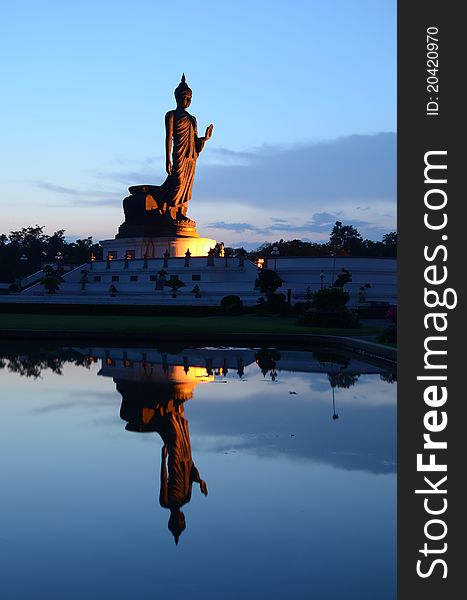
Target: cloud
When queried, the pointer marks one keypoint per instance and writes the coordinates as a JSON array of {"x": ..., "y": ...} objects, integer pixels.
[
  {"x": 357, "y": 169},
  {"x": 279, "y": 191},
  {"x": 224, "y": 156},
  {"x": 81, "y": 197},
  {"x": 303, "y": 190},
  {"x": 237, "y": 227},
  {"x": 353, "y": 169},
  {"x": 320, "y": 223},
  {"x": 357, "y": 446},
  {"x": 59, "y": 189}
]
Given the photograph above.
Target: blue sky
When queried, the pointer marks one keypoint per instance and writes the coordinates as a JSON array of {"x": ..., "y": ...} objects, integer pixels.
[{"x": 302, "y": 95}]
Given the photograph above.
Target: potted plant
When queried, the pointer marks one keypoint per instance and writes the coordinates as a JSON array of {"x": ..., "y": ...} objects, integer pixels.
[
  {"x": 51, "y": 280},
  {"x": 174, "y": 283}
]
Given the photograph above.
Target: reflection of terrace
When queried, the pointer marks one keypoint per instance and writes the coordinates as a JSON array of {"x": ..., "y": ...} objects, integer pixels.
[
  {"x": 187, "y": 369},
  {"x": 200, "y": 364},
  {"x": 149, "y": 378}
]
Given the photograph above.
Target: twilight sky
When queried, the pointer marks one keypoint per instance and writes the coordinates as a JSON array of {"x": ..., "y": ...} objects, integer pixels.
[{"x": 302, "y": 95}]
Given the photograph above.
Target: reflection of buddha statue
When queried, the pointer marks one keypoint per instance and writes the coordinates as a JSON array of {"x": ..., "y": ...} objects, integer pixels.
[
  {"x": 158, "y": 405},
  {"x": 178, "y": 475}
]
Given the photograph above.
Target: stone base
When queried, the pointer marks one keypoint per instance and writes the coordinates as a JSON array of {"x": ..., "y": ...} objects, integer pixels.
[
  {"x": 155, "y": 247},
  {"x": 147, "y": 217}
]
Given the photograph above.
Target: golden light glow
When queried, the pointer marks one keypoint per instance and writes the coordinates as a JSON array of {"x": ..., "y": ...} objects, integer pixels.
[
  {"x": 147, "y": 415},
  {"x": 150, "y": 203},
  {"x": 260, "y": 263},
  {"x": 194, "y": 374}
]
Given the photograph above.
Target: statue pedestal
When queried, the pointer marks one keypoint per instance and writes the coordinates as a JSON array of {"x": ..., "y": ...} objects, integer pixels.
[
  {"x": 155, "y": 247},
  {"x": 150, "y": 230}
]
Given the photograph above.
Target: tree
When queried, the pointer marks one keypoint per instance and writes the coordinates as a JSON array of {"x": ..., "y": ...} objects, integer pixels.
[
  {"x": 390, "y": 243},
  {"x": 268, "y": 281},
  {"x": 390, "y": 238},
  {"x": 342, "y": 380},
  {"x": 37, "y": 247},
  {"x": 28, "y": 237},
  {"x": 28, "y": 241},
  {"x": 56, "y": 243},
  {"x": 266, "y": 359},
  {"x": 345, "y": 239},
  {"x": 80, "y": 251},
  {"x": 290, "y": 248}
]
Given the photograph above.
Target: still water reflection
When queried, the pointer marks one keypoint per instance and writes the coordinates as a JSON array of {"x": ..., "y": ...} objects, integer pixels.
[{"x": 107, "y": 455}]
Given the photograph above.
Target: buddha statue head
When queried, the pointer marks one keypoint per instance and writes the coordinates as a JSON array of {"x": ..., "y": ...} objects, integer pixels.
[{"x": 183, "y": 93}]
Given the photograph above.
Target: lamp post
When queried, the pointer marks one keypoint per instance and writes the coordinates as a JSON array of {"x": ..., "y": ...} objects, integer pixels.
[
  {"x": 333, "y": 254},
  {"x": 23, "y": 261},
  {"x": 335, "y": 416},
  {"x": 58, "y": 259},
  {"x": 321, "y": 276},
  {"x": 275, "y": 252}
]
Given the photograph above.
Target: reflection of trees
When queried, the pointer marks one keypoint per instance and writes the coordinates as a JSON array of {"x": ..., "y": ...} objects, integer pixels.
[
  {"x": 266, "y": 359},
  {"x": 331, "y": 361},
  {"x": 37, "y": 360},
  {"x": 338, "y": 379},
  {"x": 389, "y": 376},
  {"x": 342, "y": 380}
]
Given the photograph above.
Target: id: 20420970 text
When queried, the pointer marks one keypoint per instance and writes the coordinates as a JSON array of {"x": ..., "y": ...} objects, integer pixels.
[{"x": 432, "y": 68}]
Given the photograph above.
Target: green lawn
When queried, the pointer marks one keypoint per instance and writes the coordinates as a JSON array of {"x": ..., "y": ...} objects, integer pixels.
[{"x": 146, "y": 324}]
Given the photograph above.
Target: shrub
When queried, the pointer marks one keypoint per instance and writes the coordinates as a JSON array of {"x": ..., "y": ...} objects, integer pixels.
[
  {"x": 391, "y": 315},
  {"x": 328, "y": 309},
  {"x": 389, "y": 335},
  {"x": 343, "y": 278},
  {"x": 326, "y": 298},
  {"x": 231, "y": 305},
  {"x": 51, "y": 283},
  {"x": 275, "y": 304},
  {"x": 300, "y": 307}
]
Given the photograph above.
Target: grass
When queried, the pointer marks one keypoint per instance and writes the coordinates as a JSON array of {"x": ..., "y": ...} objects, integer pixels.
[{"x": 158, "y": 324}]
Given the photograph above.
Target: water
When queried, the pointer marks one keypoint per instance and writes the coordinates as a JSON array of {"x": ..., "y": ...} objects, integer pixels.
[{"x": 300, "y": 475}]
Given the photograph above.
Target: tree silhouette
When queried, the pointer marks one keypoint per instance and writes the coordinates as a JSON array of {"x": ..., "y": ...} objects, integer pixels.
[{"x": 345, "y": 239}]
